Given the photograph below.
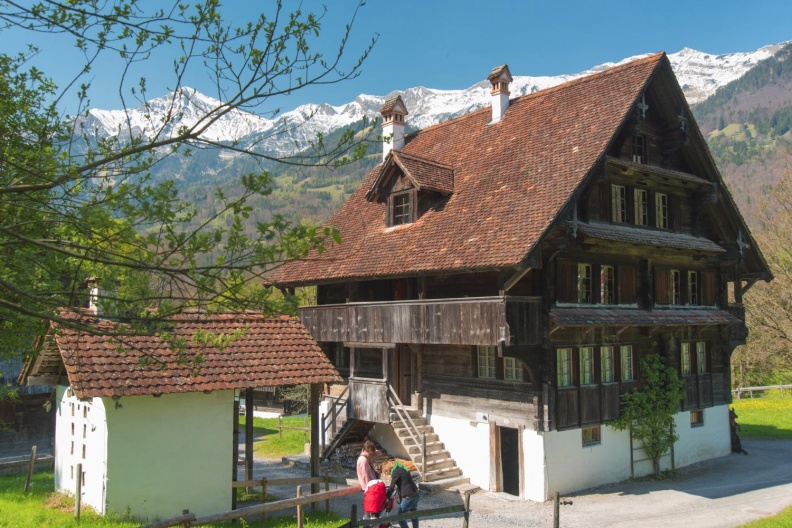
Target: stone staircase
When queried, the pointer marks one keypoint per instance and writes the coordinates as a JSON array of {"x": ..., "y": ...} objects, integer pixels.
[{"x": 441, "y": 471}]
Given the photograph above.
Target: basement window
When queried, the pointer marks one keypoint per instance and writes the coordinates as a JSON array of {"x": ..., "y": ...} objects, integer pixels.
[
  {"x": 591, "y": 436},
  {"x": 697, "y": 418}
]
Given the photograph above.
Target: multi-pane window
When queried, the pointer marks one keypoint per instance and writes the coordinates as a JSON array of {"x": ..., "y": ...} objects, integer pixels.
[
  {"x": 607, "y": 285},
  {"x": 401, "y": 209},
  {"x": 639, "y": 149},
  {"x": 661, "y": 210},
  {"x": 693, "y": 287},
  {"x": 701, "y": 357},
  {"x": 685, "y": 360},
  {"x": 641, "y": 197},
  {"x": 512, "y": 369},
  {"x": 486, "y": 362},
  {"x": 606, "y": 364},
  {"x": 591, "y": 436},
  {"x": 626, "y": 353},
  {"x": 586, "y": 365},
  {"x": 564, "y": 367},
  {"x": 675, "y": 280},
  {"x": 584, "y": 283},
  {"x": 618, "y": 203}
]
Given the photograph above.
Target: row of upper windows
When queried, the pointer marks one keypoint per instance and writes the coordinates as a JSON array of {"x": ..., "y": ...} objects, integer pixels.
[
  {"x": 590, "y": 365},
  {"x": 639, "y": 207},
  {"x": 488, "y": 363},
  {"x": 587, "y": 283}
]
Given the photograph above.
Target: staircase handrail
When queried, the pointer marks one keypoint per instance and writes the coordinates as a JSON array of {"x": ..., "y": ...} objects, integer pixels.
[
  {"x": 335, "y": 404},
  {"x": 412, "y": 429}
]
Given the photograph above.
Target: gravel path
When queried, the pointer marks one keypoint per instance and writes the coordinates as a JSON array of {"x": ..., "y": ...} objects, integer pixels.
[{"x": 720, "y": 493}]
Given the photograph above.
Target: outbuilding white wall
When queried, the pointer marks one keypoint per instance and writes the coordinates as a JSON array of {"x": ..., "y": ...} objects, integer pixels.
[
  {"x": 81, "y": 437},
  {"x": 170, "y": 453},
  {"x": 710, "y": 440},
  {"x": 468, "y": 443}
]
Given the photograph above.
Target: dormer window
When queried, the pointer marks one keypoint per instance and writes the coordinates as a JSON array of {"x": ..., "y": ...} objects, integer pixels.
[{"x": 401, "y": 208}]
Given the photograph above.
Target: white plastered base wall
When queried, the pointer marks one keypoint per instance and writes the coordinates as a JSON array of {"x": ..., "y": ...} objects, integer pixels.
[{"x": 556, "y": 461}]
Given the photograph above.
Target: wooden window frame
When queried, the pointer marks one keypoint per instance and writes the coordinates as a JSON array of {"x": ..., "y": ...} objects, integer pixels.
[
  {"x": 565, "y": 368},
  {"x": 692, "y": 290},
  {"x": 697, "y": 418},
  {"x": 607, "y": 367},
  {"x": 639, "y": 149},
  {"x": 402, "y": 218},
  {"x": 619, "y": 203},
  {"x": 586, "y": 372},
  {"x": 641, "y": 206},
  {"x": 512, "y": 370},
  {"x": 702, "y": 358},
  {"x": 591, "y": 436},
  {"x": 485, "y": 362},
  {"x": 675, "y": 287},
  {"x": 585, "y": 279},
  {"x": 685, "y": 359},
  {"x": 661, "y": 201},
  {"x": 607, "y": 285},
  {"x": 626, "y": 374}
]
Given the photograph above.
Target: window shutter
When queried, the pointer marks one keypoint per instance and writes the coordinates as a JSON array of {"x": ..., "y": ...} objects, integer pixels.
[
  {"x": 662, "y": 286},
  {"x": 708, "y": 288},
  {"x": 566, "y": 283},
  {"x": 626, "y": 279}
]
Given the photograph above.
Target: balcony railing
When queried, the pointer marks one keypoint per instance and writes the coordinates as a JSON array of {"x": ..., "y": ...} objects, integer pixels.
[{"x": 463, "y": 321}]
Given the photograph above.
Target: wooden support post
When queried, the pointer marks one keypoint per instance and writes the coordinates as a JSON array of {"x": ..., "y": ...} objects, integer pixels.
[
  {"x": 235, "y": 455},
  {"x": 249, "y": 435},
  {"x": 353, "y": 516},
  {"x": 327, "y": 488},
  {"x": 423, "y": 455},
  {"x": 305, "y": 428},
  {"x": 556, "y": 511},
  {"x": 31, "y": 465},
  {"x": 466, "y": 513},
  {"x": 299, "y": 509},
  {"x": 78, "y": 492},
  {"x": 264, "y": 496},
  {"x": 315, "y": 423},
  {"x": 186, "y": 524},
  {"x": 280, "y": 427}
]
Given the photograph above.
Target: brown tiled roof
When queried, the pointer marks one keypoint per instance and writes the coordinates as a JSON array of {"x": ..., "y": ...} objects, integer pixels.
[
  {"x": 648, "y": 237},
  {"x": 511, "y": 180},
  {"x": 564, "y": 317},
  {"x": 270, "y": 351}
]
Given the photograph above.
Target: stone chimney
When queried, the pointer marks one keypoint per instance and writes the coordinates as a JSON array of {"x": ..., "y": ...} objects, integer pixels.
[
  {"x": 93, "y": 295},
  {"x": 393, "y": 112},
  {"x": 499, "y": 79}
]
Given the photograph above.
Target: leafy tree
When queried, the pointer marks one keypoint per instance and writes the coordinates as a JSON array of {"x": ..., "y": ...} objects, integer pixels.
[
  {"x": 648, "y": 412},
  {"x": 73, "y": 206},
  {"x": 767, "y": 358}
]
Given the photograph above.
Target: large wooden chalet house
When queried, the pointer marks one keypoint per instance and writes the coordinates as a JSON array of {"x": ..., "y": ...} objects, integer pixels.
[{"x": 502, "y": 273}]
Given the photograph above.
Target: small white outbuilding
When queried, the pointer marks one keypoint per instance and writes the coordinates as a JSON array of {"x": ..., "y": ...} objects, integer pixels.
[{"x": 148, "y": 418}]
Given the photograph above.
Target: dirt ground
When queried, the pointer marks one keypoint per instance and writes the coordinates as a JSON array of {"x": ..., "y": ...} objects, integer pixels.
[{"x": 718, "y": 493}]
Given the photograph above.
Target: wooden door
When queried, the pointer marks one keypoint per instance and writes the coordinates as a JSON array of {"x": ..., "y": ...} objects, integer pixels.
[
  {"x": 401, "y": 378},
  {"x": 510, "y": 460}
]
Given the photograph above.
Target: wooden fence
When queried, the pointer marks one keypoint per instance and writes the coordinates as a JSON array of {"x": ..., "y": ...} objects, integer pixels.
[{"x": 750, "y": 390}]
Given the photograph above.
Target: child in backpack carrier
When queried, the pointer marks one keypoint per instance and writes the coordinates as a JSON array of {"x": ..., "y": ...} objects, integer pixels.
[{"x": 376, "y": 501}]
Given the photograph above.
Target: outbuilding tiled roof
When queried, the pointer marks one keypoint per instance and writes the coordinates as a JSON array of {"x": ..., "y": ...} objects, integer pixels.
[
  {"x": 511, "y": 180},
  {"x": 261, "y": 351}
]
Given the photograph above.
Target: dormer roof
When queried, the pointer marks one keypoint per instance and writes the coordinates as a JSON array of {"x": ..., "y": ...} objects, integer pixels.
[{"x": 425, "y": 175}]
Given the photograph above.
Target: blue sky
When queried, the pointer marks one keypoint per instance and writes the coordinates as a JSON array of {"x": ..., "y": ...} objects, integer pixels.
[{"x": 452, "y": 45}]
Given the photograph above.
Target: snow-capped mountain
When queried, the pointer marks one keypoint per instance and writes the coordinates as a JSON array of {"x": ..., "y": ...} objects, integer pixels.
[{"x": 700, "y": 75}]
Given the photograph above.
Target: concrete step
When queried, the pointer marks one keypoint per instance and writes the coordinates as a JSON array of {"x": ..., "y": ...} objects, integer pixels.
[
  {"x": 431, "y": 447},
  {"x": 408, "y": 441},
  {"x": 437, "y": 454},
  {"x": 464, "y": 488},
  {"x": 444, "y": 483},
  {"x": 440, "y": 464},
  {"x": 397, "y": 423},
  {"x": 432, "y": 476},
  {"x": 421, "y": 429}
]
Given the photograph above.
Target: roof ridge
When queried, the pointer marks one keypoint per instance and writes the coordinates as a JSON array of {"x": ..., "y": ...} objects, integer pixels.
[{"x": 420, "y": 158}]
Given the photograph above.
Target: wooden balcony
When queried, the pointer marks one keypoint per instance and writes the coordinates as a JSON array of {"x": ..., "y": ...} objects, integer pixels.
[{"x": 464, "y": 321}]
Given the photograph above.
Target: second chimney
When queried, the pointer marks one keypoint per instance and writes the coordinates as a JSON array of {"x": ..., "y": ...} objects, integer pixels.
[
  {"x": 393, "y": 112},
  {"x": 499, "y": 79}
]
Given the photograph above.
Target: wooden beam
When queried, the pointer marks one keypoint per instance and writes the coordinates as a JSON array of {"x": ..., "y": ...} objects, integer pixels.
[
  {"x": 315, "y": 423},
  {"x": 248, "y": 434}
]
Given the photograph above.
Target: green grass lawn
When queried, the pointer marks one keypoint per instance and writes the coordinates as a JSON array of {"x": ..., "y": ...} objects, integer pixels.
[
  {"x": 782, "y": 520},
  {"x": 768, "y": 417},
  {"x": 43, "y": 508},
  {"x": 268, "y": 443}
]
